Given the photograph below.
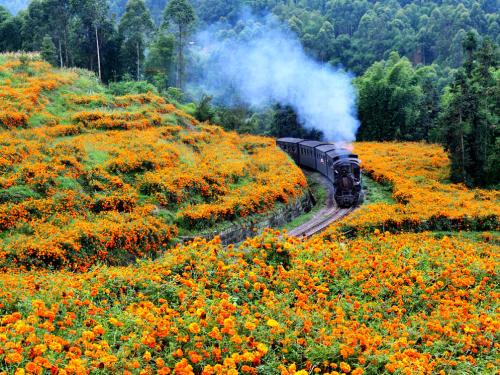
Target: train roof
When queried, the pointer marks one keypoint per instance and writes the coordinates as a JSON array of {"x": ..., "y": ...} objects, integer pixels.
[
  {"x": 290, "y": 140},
  {"x": 312, "y": 143},
  {"x": 341, "y": 152},
  {"x": 326, "y": 148}
]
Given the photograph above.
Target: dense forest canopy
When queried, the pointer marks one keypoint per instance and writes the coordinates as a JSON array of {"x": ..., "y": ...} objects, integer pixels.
[
  {"x": 426, "y": 70},
  {"x": 352, "y": 33}
]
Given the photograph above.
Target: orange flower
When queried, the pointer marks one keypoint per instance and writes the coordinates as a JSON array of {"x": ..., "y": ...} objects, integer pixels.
[
  {"x": 345, "y": 367},
  {"x": 194, "y": 328}
]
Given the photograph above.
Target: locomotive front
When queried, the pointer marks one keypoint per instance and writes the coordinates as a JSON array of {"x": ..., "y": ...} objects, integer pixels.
[{"x": 347, "y": 180}]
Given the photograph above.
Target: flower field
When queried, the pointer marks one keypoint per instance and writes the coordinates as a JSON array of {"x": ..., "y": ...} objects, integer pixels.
[
  {"x": 95, "y": 188},
  {"x": 406, "y": 303},
  {"x": 88, "y": 177},
  {"x": 417, "y": 173}
]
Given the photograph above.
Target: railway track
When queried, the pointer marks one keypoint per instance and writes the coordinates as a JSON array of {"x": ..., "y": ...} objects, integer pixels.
[{"x": 320, "y": 222}]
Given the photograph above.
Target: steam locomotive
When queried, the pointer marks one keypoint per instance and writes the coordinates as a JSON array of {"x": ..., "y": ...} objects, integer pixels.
[{"x": 337, "y": 164}]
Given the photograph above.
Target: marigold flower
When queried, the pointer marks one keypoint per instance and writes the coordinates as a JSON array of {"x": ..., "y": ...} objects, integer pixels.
[
  {"x": 345, "y": 367},
  {"x": 194, "y": 328},
  {"x": 262, "y": 348},
  {"x": 272, "y": 323},
  {"x": 13, "y": 358}
]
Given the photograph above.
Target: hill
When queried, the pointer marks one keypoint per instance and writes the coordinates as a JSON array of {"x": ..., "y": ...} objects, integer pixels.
[
  {"x": 88, "y": 176},
  {"x": 91, "y": 180}
]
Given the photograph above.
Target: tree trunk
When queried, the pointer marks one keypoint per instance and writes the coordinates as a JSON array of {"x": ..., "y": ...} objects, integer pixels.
[
  {"x": 180, "y": 62},
  {"x": 138, "y": 63},
  {"x": 462, "y": 147},
  {"x": 98, "y": 53},
  {"x": 60, "y": 53},
  {"x": 66, "y": 58}
]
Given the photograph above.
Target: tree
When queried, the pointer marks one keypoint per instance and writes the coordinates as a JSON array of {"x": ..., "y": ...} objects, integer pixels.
[
  {"x": 181, "y": 13},
  {"x": 471, "y": 114},
  {"x": 48, "y": 51},
  {"x": 93, "y": 17},
  {"x": 390, "y": 99},
  {"x": 10, "y": 28},
  {"x": 287, "y": 124},
  {"x": 60, "y": 14},
  {"x": 457, "y": 127},
  {"x": 159, "y": 61},
  {"x": 136, "y": 28}
]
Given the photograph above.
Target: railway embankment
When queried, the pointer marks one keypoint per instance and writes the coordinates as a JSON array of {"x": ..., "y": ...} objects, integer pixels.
[
  {"x": 281, "y": 215},
  {"x": 302, "y": 217}
]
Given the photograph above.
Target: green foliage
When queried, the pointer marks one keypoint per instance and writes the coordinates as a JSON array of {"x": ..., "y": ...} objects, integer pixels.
[
  {"x": 135, "y": 29},
  {"x": 180, "y": 12},
  {"x": 286, "y": 124},
  {"x": 131, "y": 87},
  {"x": 376, "y": 192},
  {"x": 10, "y": 28},
  {"x": 17, "y": 193},
  {"x": 204, "y": 112},
  {"x": 175, "y": 94},
  {"x": 471, "y": 115},
  {"x": 48, "y": 50},
  {"x": 396, "y": 101},
  {"x": 158, "y": 64}
]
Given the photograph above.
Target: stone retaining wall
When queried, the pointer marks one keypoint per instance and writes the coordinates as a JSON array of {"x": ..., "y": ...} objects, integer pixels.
[{"x": 278, "y": 217}]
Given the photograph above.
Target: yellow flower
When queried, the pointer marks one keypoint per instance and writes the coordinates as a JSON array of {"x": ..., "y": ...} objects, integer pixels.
[
  {"x": 262, "y": 348},
  {"x": 273, "y": 323},
  {"x": 250, "y": 326},
  {"x": 194, "y": 328},
  {"x": 345, "y": 367}
]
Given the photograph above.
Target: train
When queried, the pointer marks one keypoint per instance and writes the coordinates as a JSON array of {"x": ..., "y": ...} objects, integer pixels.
[{"x": 337, "y": 164}]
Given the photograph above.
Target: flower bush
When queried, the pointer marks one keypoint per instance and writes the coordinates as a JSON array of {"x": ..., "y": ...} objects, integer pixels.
[
  {"x": 407, "y": 303},
  {"x": 115, "y": 178},
  {"x": 86, "y": 195},
  {"x": 417, "y": 173}
]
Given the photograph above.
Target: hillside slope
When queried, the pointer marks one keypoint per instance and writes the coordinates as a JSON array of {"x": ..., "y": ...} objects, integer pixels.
[{"x": 88, "y": 176}]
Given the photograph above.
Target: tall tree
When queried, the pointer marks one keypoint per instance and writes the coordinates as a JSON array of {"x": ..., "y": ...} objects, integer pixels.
[
  {"x": 136, "y": 28},
  {"x": 60, "y": 14},
  {"x": 159, "y": 61},
  {"x": 48, "y": 51},
  {"x": 94, "y": 17},
  {"x": 181, "y": 14},
  {"x": 10, "y": 28},
  {"x": 471, "y": 114}
]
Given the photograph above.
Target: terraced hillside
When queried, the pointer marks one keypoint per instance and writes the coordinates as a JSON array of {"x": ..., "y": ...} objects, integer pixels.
[
  {"x": 87, "y": 176},
  {"x": 90, "y": 180}
]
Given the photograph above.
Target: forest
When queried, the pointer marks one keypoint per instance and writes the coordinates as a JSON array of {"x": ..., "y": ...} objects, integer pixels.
[{"x": 424, "y": 70}]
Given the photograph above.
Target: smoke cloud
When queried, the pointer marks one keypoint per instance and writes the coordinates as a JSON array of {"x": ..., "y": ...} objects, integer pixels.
[{"x": 265, "y": 63}]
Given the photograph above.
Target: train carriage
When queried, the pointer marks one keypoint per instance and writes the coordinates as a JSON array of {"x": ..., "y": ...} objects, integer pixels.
[
  {"x": 291, "y": 146},
  {"x": 307, "y": 150},
  {"x": 339, "y": 165},
  {"x": 321, "y": 158}
]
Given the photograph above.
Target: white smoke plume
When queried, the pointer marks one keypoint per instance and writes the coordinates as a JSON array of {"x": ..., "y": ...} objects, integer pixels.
[{"x": 264, "y": 64}]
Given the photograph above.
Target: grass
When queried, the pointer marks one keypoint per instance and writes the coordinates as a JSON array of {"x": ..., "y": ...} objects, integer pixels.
[
  {"x": 95, "y": 157},
  {"x": 473, "y": 236},
  {"x": 376, "y": 193},
  {"x": 320, "y": 193}
]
